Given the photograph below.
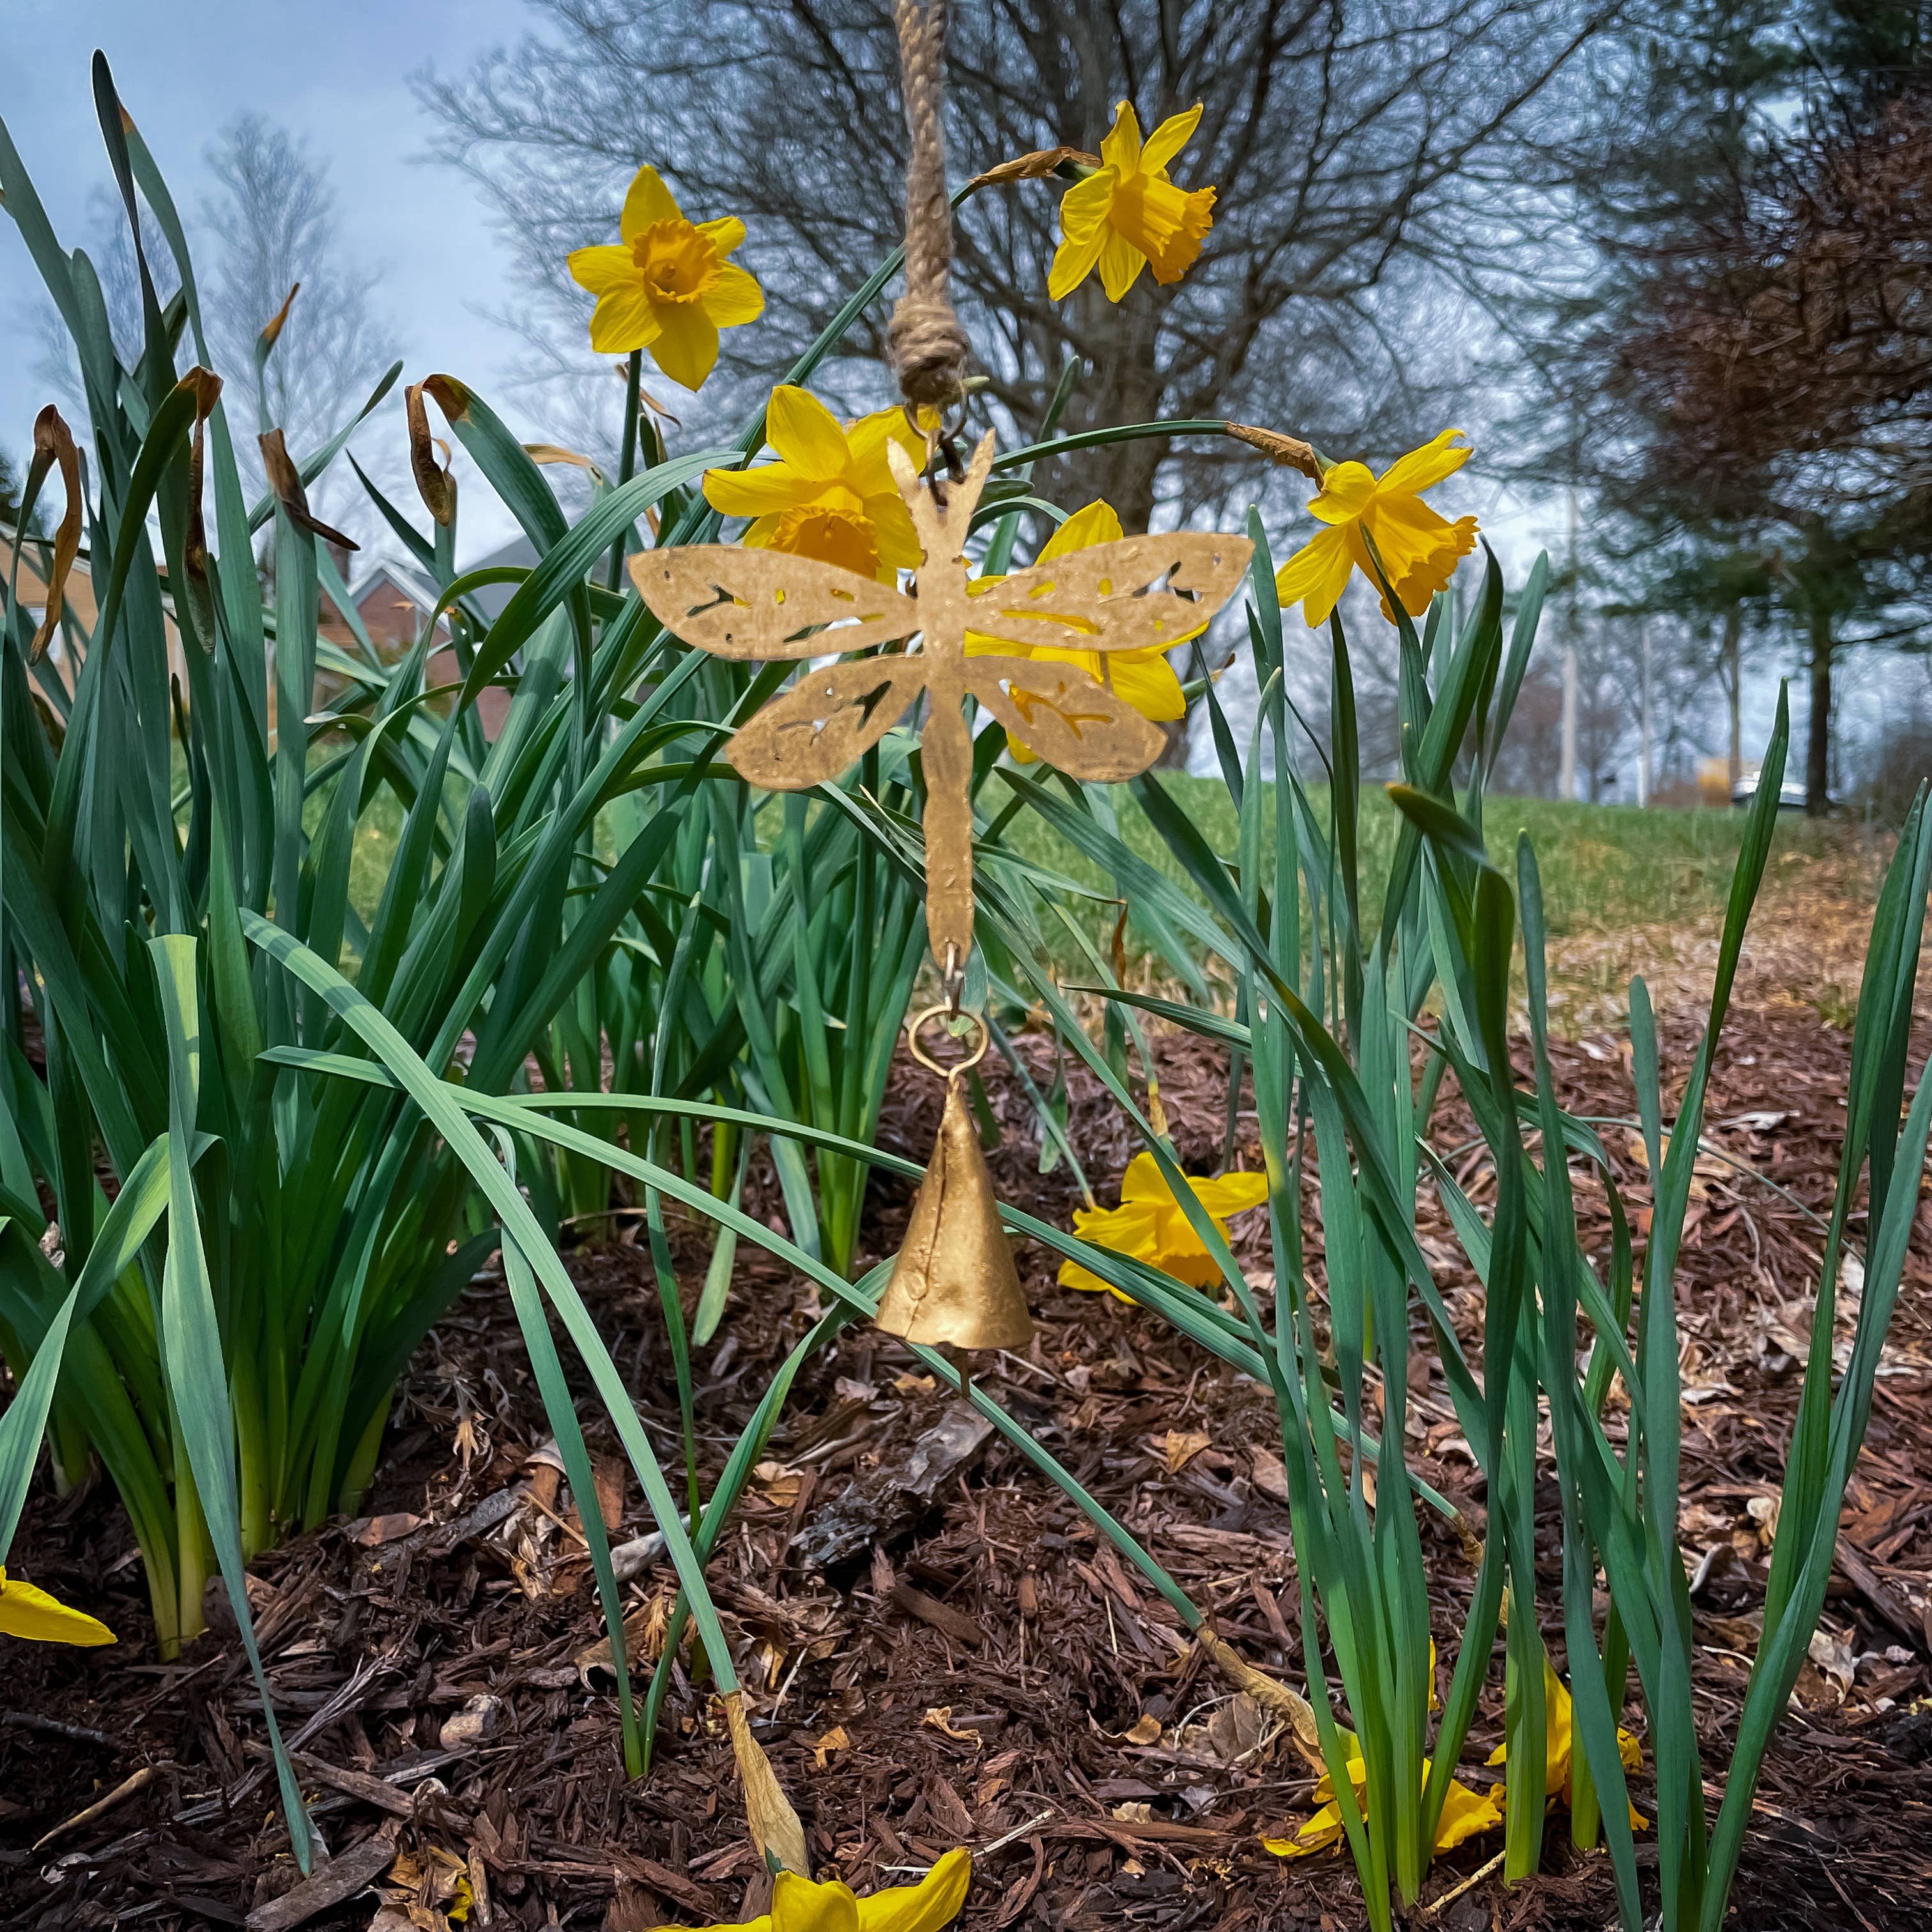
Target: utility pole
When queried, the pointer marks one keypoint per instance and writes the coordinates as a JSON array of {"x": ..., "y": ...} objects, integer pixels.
[
  {"x": 1566, "y": 776},
  {"x": 1643, "y": 760}
]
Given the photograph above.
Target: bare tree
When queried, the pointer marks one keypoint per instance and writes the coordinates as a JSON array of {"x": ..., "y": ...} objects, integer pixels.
[
  {"x": 274, "y": 226},
  {"x": 1750, "y": 369},
  {"x": 1361, "y": 150},
  {"x": 271, "y": 224}
]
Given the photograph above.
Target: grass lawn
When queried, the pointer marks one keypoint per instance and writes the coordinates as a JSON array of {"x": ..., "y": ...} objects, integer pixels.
[{"x": 1604, "y": 866}]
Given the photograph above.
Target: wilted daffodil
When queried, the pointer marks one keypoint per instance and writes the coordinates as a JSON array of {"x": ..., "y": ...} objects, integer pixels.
[
  {"x": 1559, "y": 1731},
  {"x": 1128, "y": 216},
  {"x": 1419, "y": 549},
  {"x": 1144, "y": 678},
  {"x": 668, "y": 287},
  {"x": 1150, "y": 1225},
  {"x": 830, "y": 494},
  {"x": 25, "y": 1611},
  {"x": 799, "y": 1905},
  {"x": 1465, "y": 1814}
]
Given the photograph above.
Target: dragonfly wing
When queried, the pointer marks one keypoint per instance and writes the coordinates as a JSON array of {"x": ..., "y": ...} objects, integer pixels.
[
  {"x": 1138, "y": 593},
  {"x": 1060, "y": 713},
  {"x": 811, "y": 733},
  {"x": 739, "y": 603}
]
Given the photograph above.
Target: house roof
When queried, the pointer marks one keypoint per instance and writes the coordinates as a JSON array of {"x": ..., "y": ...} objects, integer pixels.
[
  {"x": 417, "y": 588},
  {"x": 519, "y": 553}
]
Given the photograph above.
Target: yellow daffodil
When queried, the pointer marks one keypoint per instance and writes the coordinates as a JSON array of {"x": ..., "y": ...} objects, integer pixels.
[
  {"x": 1558, "y": 1730},
  {"x": 1128, "y": 216},
  {"x": 830, "y": 494},
  {"x": 1465, "y": 1814},
  {"x": 1419, "y": 548},
  {"x": 1144, "y": 678},
  {"x": 25, "y": 1611},
  {"x": 1150, "y": 1225},
  {"x": 668, "y": 287},
  {"x": 799, "y": 1905}
]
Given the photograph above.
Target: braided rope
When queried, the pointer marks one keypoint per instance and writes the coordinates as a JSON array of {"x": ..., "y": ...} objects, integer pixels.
[{"x": 929, "y": 346}]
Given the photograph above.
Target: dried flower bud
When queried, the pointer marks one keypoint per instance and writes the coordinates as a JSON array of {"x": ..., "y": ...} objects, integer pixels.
[{"x": 1069, "y": 162}]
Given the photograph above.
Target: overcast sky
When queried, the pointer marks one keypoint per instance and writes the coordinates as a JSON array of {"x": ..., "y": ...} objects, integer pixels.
[{"x": 337, "y": 74}]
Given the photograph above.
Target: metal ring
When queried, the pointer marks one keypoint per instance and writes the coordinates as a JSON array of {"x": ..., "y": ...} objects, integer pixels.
[{"x": 925, "y": 1059}]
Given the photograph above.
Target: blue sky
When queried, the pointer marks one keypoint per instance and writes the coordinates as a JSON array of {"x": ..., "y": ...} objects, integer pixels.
[{"x": 336, "y": 73}]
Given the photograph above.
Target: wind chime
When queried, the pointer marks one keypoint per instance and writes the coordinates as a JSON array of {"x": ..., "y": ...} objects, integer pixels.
[{"x": 954, "y": 1282}]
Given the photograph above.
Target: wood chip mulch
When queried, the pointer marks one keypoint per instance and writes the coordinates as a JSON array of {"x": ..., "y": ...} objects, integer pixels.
[{"x": 961, "y": 1661}]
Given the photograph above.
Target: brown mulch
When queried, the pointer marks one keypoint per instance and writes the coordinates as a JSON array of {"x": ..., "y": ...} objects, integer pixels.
[{"x": 984, "y": 1670}]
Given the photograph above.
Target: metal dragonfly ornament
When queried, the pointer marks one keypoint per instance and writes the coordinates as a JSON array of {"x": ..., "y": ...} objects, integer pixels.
[{"x": 954, "y": 1279}]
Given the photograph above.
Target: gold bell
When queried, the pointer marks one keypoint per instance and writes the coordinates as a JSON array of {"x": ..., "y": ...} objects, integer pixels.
[{"x": 954, "y": 1279}]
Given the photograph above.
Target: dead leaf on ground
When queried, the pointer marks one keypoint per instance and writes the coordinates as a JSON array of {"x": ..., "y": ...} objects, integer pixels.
[{"x": 939, "y": 1718}]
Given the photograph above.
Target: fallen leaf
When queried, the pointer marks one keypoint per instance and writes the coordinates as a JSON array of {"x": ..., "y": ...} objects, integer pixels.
[
  {"x": 834, "y": 1740},
  {"x": 1270, "y": 1474},
  {"x": 779, "y": 1483},
  {"x": 1183, "y": 1445},
  {"x": 381, "y": 1529},
  {"x": 476, "y": 1722},
  {"x": 1235, "y": 1728},
  {"x": 939, "y": 1718},
  {"x": 1145, "y": 1729}
]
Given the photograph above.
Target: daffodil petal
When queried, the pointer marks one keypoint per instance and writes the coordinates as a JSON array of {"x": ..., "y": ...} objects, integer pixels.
[
  {"x": 1144, "y": 1181},
  {"x": 1128, "y": 1229},
  {"x": 1345, "y": 492},
  {"x": 1098, "y": 523},
  {"x": 1083, "y": 207},
  {"x": 734, "y": 298},
  {"x": 1315, "y": 576},
  {"x": 646, "y": 200},
  {"x": 1232, "y": 1193},
  {"x": 1071, "y": 1274},
  {"x": 933, "y": 1902},
  {"x": 1320, "y": 1832},
  {"x": 686, "y": 348},
  {"x": 1120, "y": 148},
  {"x": 802, "y": 1905},
  {"x": 762, "y": 492},
  {"x": 892, "y": 531},
  {"x": 1421, "y": 467},
  {"x": 1152, "y": 689},
  {"x": 1073, "y": 262},
  {"x": 867, "y": 439},
  {"x": 1121, "y": 265},
  {"x": 1465, "y": 1814},
  {"x": 806, "y": 433},
  {"x": 605, "y": 271},
  {"x": 725, "y": 234},
  {"x": 28, "y": 1612},
  {"x": 622, "y": 321},
  {"x": 1169, "y": 138}
]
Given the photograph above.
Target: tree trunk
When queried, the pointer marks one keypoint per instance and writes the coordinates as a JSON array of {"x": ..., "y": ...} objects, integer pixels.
[
  {"x": 1818, "y": 734},
  {"x": 1734, "y": 687}
]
